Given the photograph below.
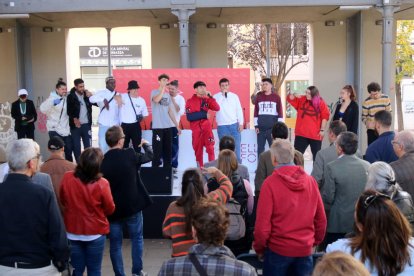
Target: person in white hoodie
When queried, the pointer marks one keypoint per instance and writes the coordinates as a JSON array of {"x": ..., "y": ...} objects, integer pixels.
[{"x": 55, "y": 108}]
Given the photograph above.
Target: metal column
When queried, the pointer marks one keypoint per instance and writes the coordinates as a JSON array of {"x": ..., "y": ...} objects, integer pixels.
[
  {"x": 183, "y": 19},
  {"x": 387, "y": 36},
  {"x": 108, "y": 31}
]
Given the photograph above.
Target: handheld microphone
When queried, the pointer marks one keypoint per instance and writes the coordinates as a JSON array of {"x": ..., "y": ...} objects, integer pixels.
[
  {"x": 339, "y": 100},
  {"x": 225, "y": 94}
]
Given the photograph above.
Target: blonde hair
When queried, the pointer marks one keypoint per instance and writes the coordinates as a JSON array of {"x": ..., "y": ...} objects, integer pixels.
[{"x": 339, "y": 264}]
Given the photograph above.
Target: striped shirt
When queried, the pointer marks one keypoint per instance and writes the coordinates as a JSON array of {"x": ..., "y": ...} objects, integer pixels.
[
  {"x": 174, "y": 226},
  {"x": 372, "y": 106}
]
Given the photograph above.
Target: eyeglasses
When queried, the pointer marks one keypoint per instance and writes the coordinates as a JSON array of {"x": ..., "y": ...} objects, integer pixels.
[
  {"x": 38, "y": 156},
  {"x": 370, "y": 199},
  {"x": 394, "y": 142}
]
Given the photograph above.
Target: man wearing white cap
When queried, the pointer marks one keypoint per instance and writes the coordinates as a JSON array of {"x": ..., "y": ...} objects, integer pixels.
[{"x": 24, "y": 114}]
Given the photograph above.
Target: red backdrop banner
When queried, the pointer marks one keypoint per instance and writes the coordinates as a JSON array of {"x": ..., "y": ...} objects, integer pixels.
[{"x": 148, "y": 80}]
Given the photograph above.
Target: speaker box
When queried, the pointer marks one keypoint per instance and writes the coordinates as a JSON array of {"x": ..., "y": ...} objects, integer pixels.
[{"x": 158, "y": 181}]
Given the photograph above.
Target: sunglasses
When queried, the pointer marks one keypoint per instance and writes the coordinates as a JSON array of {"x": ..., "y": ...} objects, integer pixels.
[{"x": 370, "y": 199}]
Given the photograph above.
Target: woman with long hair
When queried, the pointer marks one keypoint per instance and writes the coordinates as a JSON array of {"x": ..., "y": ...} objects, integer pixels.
[
  {"x": 87, "y": 201},
  {"x": 243, "y": 194},
  {"x": 381, "y": 178},
  {"x": 347, "y": 109},
  {"x": 312, "y": 116},
  {"x": 382, "y": 239},
  {"x": 177, "y": 222}
]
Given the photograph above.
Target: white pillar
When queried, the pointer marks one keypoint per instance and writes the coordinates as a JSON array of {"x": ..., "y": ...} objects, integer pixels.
[
  {"x": 387, "y": 38},
  {"x": 183, "y": 19}
]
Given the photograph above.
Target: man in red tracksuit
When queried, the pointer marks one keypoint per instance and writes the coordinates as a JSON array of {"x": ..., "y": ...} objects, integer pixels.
[{"x": 196, "y": 110}]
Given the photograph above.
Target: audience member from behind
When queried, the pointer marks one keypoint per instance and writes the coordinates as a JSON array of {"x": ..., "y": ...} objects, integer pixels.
[
  {"x": 311, "y": 120},
  {"x": 210, "y": 221},
  {"x": 381, "y": 178},
  {"x": 345, "y": 180},
  {"x": 228, "y": 142},
  {"x": 338, "y": 263},
  {"x": 403, "y": 145},
  {"x": 177, "y": 222},
  {"x": 243, "y": 194},
  {"x": 382, "y": 241},
  {"x": 87, "y": 201},
  {"x": 265, "y": 166},
  {"x": 373, "y": 104},
  {"x": 329, "y": 154},
  {"x": 31, "y": 228},
  {"x": 56, "y": 165},
  {"x": 298, "y": 159},
  {"x": 120, "y": 167},
  {"x": 290, "y": 217},
  {"x": 347, "y": 109},
  {"x": 382, "y": 149}
]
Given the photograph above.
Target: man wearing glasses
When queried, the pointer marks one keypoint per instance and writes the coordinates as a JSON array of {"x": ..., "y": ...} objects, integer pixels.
[{"x": 33, "y": 237}]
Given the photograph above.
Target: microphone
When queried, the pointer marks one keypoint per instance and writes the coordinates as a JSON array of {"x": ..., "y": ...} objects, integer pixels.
[
  {"x": 225, "y": 94},
  {"x": 339, "y": 100}
]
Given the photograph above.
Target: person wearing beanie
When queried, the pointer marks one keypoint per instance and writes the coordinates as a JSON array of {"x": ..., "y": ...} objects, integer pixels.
[
  {"x": 24, "y": 113},
  {"x": 132, "y": 112},
  {"x": 196, "y": 109}
]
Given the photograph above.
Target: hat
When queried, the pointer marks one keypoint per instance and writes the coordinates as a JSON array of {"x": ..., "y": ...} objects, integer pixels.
[
  {"x": 199, "y": 83},
  {"x": 22, "y": 92},
  {"x": 132, "y": 85},
  {"x": 55, "y": 143},
  {"x": 109, "y": 78}
]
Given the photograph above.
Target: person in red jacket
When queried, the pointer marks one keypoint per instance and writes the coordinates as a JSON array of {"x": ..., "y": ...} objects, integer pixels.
[
  {"x": 290, "y": 217},
  {"x": 312, "y": 116},
  {"x": 86, "y": 202},
  {"x": 196, "y": 110}
]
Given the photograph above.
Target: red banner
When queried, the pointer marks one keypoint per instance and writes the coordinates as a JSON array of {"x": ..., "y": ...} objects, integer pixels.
[{"x": 148, "y": 80}]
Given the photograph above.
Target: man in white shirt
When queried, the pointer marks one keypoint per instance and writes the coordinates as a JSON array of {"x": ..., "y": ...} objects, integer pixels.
[
  {"x": 55, "y": 108},
  {"x": 178, "y": 108},
  {"x": 108, "y": 101},
  {"x": 132, "y": 112},
  {"x": 230, "y": 116}
]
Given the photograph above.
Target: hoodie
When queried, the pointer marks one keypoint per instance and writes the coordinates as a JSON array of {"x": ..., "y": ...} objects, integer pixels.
[
  {"x": 290, "y": 217},
  {"x": 57, "y": 117}
]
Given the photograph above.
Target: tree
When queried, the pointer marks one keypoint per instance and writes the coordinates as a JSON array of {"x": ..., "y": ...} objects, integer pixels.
[
  {"x": 288, "y": 48},
  {"x": 404, "y": 62}
]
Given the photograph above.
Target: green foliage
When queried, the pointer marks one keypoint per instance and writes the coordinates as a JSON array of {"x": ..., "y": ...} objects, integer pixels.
[{"x": 405, "y": 51}]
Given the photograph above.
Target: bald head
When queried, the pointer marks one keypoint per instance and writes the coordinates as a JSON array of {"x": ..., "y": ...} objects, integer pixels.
[{"x": 282, "y": 151}]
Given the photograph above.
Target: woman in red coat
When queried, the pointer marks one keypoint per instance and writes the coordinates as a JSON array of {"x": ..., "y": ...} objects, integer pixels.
[
  {"x": 312, "y": 116},
  {"x": 87, "y": 201}
]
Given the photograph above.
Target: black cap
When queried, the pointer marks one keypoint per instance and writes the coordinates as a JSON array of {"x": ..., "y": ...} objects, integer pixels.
[
  {"x": 132, "y": 85},
  {"x": 55, "y": 143},
  {"x": 199, "y": 83}
]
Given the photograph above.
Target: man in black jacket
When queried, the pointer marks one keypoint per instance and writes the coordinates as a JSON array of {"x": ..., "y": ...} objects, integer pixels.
[
  {"x": 24, "y": 113},
  {"x": 121, "y": 168},
  {"x": 80, "y": 117},
  {"x": 32, "y": 234}
]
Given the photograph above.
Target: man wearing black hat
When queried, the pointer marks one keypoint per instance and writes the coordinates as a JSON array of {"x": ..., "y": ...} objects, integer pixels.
[
  {"x": 132, "y": 112},
  {"x": 196, "y": 109},
  {"x": 56, "y": 166}
]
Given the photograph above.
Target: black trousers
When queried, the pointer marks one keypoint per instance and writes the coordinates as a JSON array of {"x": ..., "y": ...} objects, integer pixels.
[
  {"x": 302, "y": 143},
  {"x": 26, "y": 131},
  {"x": 132, "y": 132},
  {"x": 162, "y": 146},
  {"x": 372, "y": 135}
]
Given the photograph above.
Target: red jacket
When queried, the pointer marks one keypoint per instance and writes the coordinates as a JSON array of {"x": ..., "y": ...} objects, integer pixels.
[
  {"x": 290, "y": 216},
  {"x": 196, "y": 108},
  {"x": 86, "y": 206},
  {"x": 308, "y": 121}
]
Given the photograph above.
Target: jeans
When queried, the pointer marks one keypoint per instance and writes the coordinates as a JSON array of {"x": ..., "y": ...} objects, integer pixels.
[
  {"x": 135, "y": 228},
  {"x": 175, "y": 147},
  {"x": 68, "y": 144},
  {"x": 87, "y": 254},
  {"x": 301, "y": 144},
  {"x": 84, "y": 132},
  {"x": 101, "y": 138},
  {"x": 262, "y": 137},
  {"x": 233, "y": 131},
  {"x": 275, "y": 264}
]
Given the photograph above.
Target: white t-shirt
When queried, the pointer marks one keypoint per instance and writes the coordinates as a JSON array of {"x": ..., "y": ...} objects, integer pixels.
[
  {"x": 181, "y": 103},
  {"x": 230, "y": 109},
  {"x": 343, "y": 246},
  {"x": 127, "y": 114}
]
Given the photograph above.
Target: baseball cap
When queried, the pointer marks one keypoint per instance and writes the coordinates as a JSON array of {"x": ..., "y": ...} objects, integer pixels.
[
  {"x": 55, "y": 143},
  {"x": 22, "y": 92}
]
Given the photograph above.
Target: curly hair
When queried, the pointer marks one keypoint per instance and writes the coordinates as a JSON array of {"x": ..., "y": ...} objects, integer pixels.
[{"x": 210, "y": 219}]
